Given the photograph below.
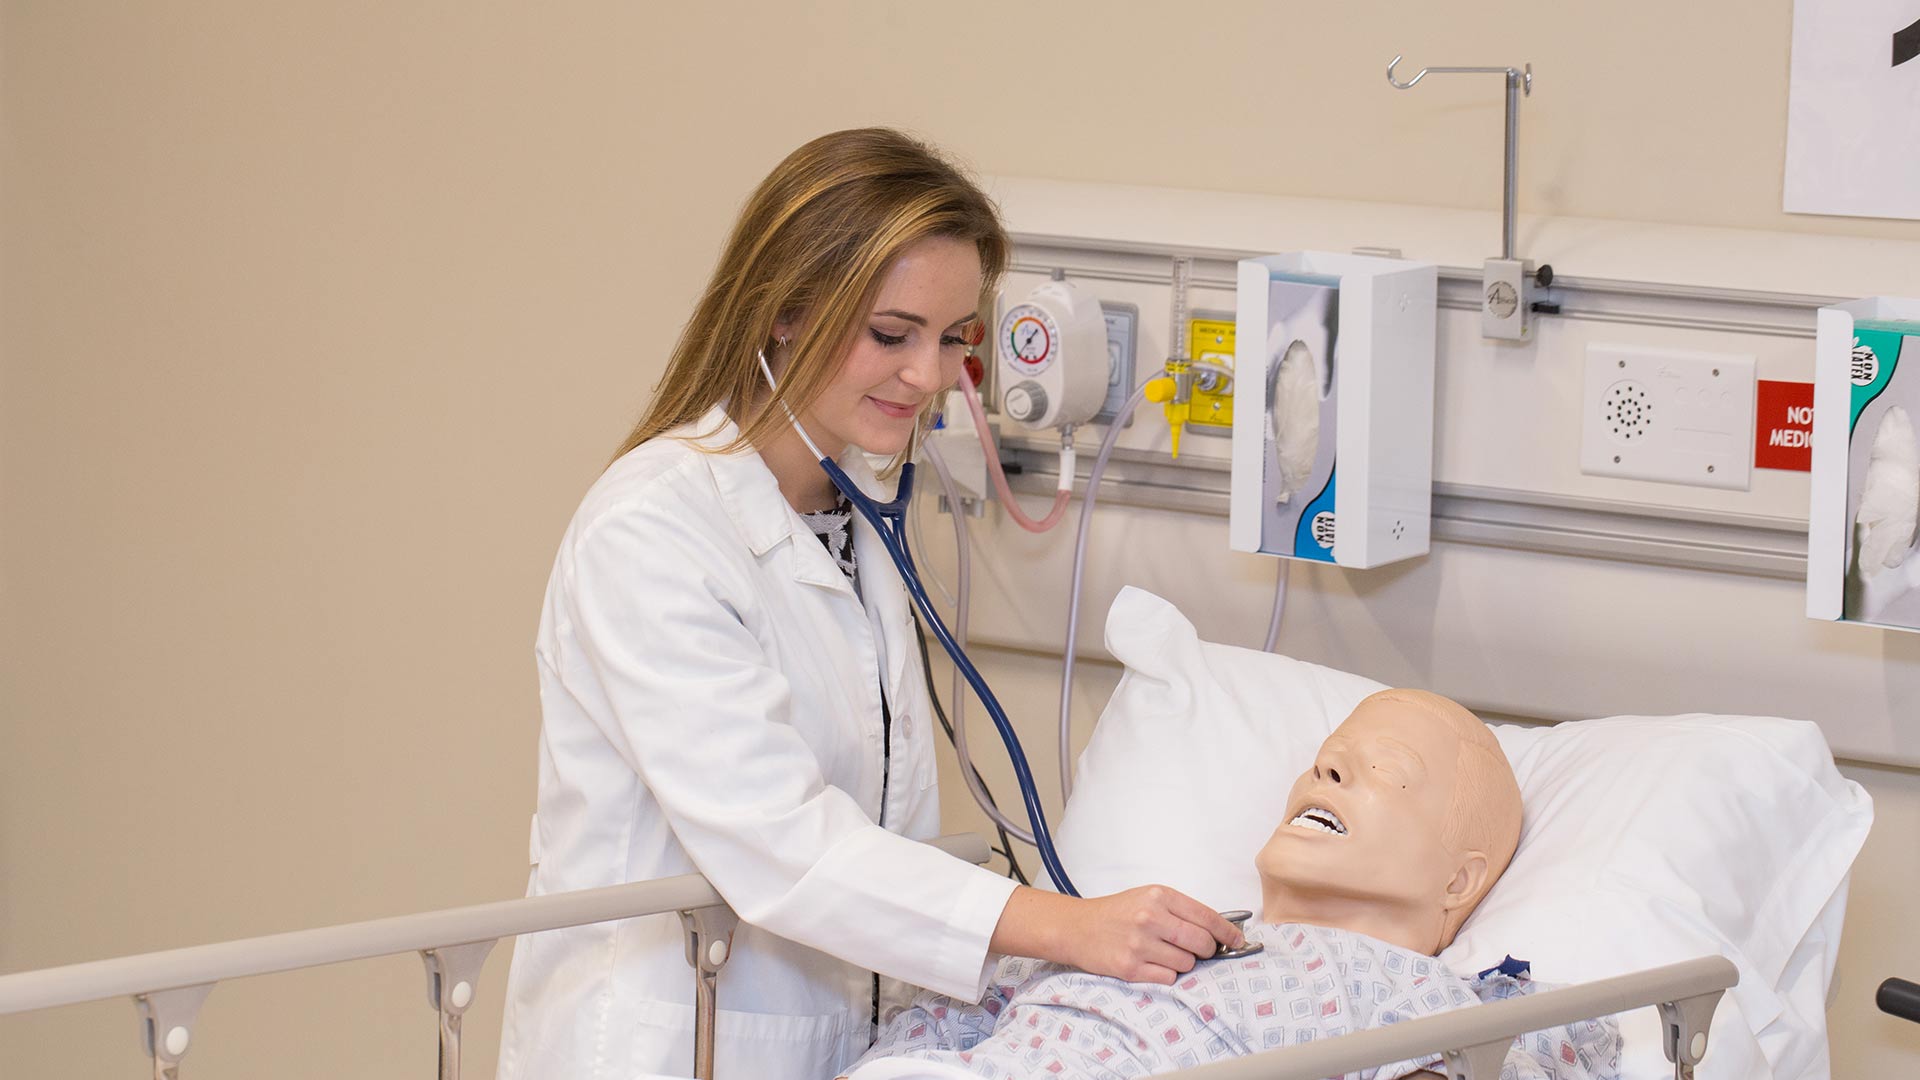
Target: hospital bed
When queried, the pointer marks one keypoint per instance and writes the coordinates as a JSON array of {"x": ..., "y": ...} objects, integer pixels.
[
  {"x": 1647, "y": 839},
  {"x": 1172, "y": 788},
  {"x": 168, "y": 988}
]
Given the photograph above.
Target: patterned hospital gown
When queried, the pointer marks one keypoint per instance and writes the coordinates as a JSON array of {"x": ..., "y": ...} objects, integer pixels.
[{"x": 1311, "y": 982}]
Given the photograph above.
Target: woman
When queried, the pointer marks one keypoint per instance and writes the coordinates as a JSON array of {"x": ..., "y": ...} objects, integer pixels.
[{"x": 727, "y": 669}]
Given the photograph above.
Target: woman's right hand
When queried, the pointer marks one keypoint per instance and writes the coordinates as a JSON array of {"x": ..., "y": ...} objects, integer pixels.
[{"x": 1149, "y": 934}]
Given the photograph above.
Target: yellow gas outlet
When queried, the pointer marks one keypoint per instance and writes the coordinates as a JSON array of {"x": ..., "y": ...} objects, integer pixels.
[{"x": 1210, "y": 341}]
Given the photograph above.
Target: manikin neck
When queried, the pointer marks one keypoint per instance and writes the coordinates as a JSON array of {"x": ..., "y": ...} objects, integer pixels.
[{"x": 1410, "y": 927}]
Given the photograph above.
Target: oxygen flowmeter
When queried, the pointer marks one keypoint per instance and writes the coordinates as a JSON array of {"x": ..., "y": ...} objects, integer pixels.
[{"x": 1052, "y": 352}]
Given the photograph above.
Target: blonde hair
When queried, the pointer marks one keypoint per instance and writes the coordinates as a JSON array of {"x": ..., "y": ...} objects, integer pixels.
[
  {"x": 809, "y": 249},
  {"x": 1485, "y": 812}
]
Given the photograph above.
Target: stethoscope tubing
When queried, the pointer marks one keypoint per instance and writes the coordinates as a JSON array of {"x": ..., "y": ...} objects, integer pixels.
[
  {"x": 888, "y": 521},
  {"x": 894, "y": 538}
]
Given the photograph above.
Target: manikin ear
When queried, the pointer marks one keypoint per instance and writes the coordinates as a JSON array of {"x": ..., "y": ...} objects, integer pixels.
[{"x": 1468, "y": 881}]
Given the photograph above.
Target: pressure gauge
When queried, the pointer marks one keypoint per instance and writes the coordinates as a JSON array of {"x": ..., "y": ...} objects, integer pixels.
[
  {"x": 1030, "y": 335},
  {"x": 1052, "y": 349}
]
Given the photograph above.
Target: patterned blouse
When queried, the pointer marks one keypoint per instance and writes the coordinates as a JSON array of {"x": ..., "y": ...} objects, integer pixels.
[{"x": 834, "y": 528}]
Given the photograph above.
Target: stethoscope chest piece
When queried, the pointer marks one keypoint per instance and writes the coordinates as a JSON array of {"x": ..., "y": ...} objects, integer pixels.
[{"x": 1239, "y": 919}]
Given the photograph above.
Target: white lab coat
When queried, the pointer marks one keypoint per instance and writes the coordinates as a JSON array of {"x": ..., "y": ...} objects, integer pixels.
[{"x": 710, "y": 691}]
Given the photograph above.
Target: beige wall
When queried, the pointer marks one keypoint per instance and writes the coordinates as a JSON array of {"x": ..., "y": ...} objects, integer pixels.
[{"x": 316, "y": 318}]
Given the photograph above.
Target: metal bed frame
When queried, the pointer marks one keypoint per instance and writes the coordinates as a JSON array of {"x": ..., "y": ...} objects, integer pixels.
[{"x": 168, "y": 988}]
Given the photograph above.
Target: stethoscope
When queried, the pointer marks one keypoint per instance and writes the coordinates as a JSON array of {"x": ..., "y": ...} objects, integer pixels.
[{"x": 889, "y": 522}]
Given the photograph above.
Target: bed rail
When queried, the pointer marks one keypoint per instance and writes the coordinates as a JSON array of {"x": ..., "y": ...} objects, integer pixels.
[
  {"x": 1477, "y": 1038},
  {"x": 169, "y": 987}
]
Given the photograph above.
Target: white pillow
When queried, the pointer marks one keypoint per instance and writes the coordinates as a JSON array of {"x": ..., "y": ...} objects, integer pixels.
[{"x": 1647, "y": 840}]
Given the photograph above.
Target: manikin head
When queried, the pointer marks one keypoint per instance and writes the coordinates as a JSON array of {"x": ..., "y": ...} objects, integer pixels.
[{"x": 1405, "y": 820}]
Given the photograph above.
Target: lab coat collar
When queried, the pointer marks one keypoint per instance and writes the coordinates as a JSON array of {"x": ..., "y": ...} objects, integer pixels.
[
  {"x": 752, "y": 495},
  {"x": 752, "y": 498}
]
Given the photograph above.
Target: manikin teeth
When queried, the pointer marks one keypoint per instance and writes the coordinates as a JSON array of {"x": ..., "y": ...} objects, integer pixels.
[{"x": 1321, "y": 820}]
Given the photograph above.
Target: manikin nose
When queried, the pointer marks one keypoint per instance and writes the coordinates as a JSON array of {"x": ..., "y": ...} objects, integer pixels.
[{"x": 1327, "y": 772}]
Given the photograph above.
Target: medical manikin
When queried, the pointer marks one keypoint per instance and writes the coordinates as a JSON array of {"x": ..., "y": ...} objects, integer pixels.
[{"x": 1407, "y": 817}]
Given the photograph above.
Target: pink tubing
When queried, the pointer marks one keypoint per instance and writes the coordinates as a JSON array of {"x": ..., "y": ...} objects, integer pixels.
[{"x": 1054, "y": 516}]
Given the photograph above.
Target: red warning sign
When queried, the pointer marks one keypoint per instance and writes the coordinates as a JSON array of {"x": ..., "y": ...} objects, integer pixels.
[{"x": 1783, "y": 426}]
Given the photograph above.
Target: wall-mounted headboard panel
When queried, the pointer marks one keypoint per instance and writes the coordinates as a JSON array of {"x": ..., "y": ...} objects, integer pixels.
[{"x": 1550, "y": 593}]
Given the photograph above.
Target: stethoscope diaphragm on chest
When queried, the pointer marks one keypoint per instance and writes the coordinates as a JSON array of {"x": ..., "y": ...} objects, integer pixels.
[{"x": 1238, "y": 918}]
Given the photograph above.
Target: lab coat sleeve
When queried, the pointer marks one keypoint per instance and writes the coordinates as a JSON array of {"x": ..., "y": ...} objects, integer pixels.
[{"x": 700, "y": 712}]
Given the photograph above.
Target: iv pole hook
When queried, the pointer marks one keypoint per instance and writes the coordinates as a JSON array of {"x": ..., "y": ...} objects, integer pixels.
[
  {"x": 1518, "y": 83},
  {"x": 1523, "y": 78},
  {"x": 1507, "y": 307}
]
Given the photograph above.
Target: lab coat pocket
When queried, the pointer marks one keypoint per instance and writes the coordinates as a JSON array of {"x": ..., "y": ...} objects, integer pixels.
[
  {"x": 924, "y": 770},
  {"x": 913, "y": 732},
  {"x": 913, "y": 741},
  {"x": 766, "y": 1046}
]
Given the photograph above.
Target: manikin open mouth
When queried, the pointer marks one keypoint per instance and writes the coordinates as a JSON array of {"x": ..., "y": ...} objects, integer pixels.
[{"x": 1320, "y": 819}]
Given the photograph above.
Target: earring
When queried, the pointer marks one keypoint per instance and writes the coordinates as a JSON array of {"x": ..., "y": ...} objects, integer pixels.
[{"x": 781, "y": 342}]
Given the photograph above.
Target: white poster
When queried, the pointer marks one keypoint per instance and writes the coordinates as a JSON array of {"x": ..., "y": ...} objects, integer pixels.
[{"x": 1853, "y": 111}]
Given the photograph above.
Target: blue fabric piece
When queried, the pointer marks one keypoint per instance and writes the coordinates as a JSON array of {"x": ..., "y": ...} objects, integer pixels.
[{"x": 1511, "y": 968}]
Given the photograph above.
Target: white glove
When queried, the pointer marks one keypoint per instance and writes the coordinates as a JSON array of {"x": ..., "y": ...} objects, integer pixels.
[
  {"x": 1884, "y": 562},
  {"x": 1294, "y": 407}
]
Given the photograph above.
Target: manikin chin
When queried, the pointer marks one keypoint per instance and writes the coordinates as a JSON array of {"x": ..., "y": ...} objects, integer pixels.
[{"x": 1407, "y": 817}]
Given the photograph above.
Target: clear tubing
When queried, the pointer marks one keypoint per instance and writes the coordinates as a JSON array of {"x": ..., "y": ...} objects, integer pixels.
[
  {"x": 1073, "y": 593},
  {"x": 1279, "y": 605},
  {"x": 920, "y": 542},
  {"x": 958, "y": 706},
  {"x": 1177, "y": 330},
  {"x": 1060, "y": 498},
  {"x": 1213, "y": 369}
]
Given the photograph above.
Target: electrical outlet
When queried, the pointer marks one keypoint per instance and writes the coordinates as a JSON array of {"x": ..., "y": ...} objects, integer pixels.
[
  {"x": 1675, "y": 416},
  {"x": 1210, "y": 341}
]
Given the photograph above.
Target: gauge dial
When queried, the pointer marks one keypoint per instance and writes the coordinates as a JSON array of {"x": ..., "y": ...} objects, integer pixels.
[{"x": 1028, "y": 339}]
